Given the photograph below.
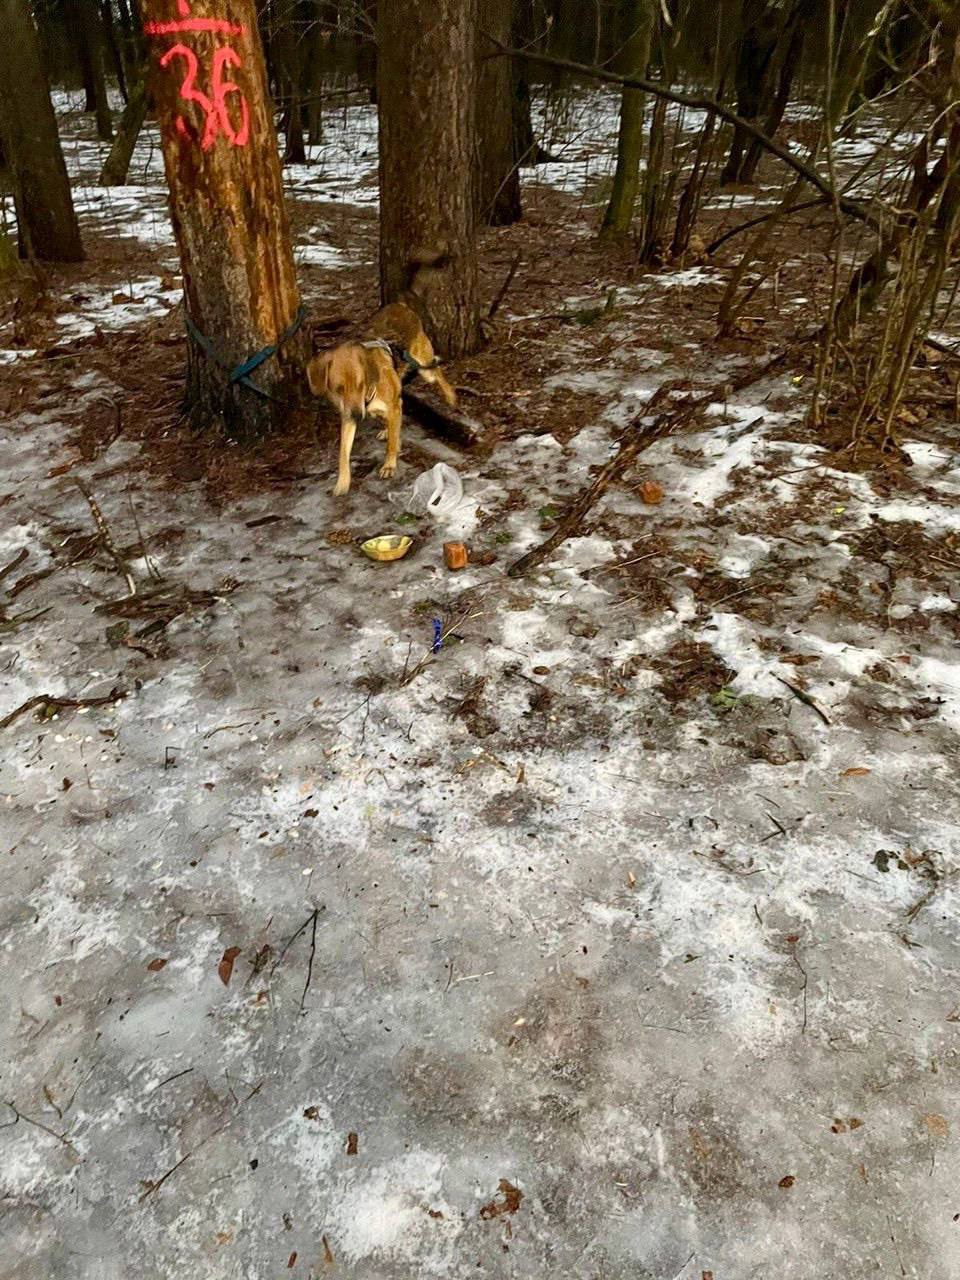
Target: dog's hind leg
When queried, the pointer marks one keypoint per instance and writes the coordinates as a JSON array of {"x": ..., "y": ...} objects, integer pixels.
[{"x": 348, "y": 429}]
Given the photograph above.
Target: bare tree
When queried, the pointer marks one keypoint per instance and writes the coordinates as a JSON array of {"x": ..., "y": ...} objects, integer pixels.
[
  {"x": 208, "y": 82},
  {"x": 45, "y": 216},
  {"x": 640, "y": 17},
  {"x": 498, "y": 178},
  {"x": 428, "y": 144}
]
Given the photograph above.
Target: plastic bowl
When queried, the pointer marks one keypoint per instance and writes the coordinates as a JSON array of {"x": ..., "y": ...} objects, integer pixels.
[{"x": 388, "y": 547}]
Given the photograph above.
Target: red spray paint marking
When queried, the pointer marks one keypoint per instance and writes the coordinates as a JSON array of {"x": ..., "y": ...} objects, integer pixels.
[{"x": 214, "y": 105}]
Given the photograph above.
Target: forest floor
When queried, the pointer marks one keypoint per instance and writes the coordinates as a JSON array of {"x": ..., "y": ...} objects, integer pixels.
[{"x": 619, "y": 938}]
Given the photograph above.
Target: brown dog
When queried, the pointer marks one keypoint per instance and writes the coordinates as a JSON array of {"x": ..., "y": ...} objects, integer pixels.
[{"x": 364, "y": 379}]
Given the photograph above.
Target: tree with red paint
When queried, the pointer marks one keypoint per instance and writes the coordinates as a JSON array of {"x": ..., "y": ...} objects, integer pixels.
[{"x": 245, "y": 347}]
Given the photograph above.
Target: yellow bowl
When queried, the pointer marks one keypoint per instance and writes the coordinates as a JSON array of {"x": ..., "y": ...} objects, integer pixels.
[{"x": 389, "y": 547}]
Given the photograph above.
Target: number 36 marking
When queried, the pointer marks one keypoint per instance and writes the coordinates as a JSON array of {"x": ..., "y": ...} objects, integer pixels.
[{"x": 217, "y": 116}]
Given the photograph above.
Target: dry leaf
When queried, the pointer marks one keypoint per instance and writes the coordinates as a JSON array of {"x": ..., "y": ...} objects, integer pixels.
[
  {"x": 509, "y": 1204},
  {"x": 854, "y": 1123},
  {"x": 225, "y": 967},
  {"x": 651, "y": 493},
  {"x": 854, "y": 773},
  {"x": 706, "y": 1275},
  {"x": 351, "y": 1144},
  {"x": 786, "y": 1183},
  {"x": 328, "y": 1258},
  {"x": 936, "y": 1124},
  {"x": 156, "y": 965},
  {"x": 292, "y": 1261}
]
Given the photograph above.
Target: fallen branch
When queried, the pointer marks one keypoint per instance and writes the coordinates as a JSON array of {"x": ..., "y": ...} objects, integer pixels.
[
  {"x": 853, "y": 208},
  {"x": 60, "y": 704},
  {"x": 634, "y": 440},
  {"x": 107, "y": 537},
  {"x": 441, "y": 422}
]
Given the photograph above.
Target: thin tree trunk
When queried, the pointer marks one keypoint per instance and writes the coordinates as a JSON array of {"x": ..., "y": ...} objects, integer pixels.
[
  {"x": 83, "y": 22},
  {"x": 760, "y": 28},
  {"x": 498, "y": 177},
  {"x": 788, "y": 69},
  {"x": 636, "y": 55},
  {"x": 46, "y": 220},
  {"x": 851, "y": 55},
  {"x": 110, "y": 38},
  {"x": 226, "y": 198},
  {"x": 117, "y": 164},
  {"x": 427, "y": 111}
]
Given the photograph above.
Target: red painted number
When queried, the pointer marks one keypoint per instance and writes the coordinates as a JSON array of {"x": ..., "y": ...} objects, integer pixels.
[{"x": 217, "y": 117}]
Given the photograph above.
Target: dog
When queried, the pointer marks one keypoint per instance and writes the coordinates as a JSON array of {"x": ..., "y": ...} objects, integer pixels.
[{"x": 365, "y": 379}]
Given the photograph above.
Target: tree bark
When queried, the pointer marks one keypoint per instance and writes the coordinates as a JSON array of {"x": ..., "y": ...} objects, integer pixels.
[
  {"x": 428, "y": 140},
  {"x": 793, "y": 38},
  {"x": 117, "y": 164},
  {"x": 636, "y": 55},
  {"x": 498, "y": 177},
  {"x": 208, "y": 83},
  {"x": 41, "y": 190},
  {"x": 759, "y": 32},
  {"x": 83, "y": 22},
  {"x": 113, "y": 47}
]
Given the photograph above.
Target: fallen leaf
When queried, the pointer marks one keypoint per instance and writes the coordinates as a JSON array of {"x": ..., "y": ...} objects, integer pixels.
[
  {"x": 351, "y": 1144},
  {"x": 651, "y": 493},
  {"x": 838, "y": 1126},
  {"x": 225, "y": 967},
  {"x": 58, "y": 1001},
  {"x": 509, "y": 1204},
  {"x": 786, "y": 1183},
  {"x": 311, "y": 1113},
  {"x": 157, "y": 964},
  {"x": 224, "y": 1237},
  {"x": 435, "y": 1213},
  {"x": 854, "y": 1123},
  {"x": 328, "y": 1258},
  {"x": 856, "y": 772},
  {"x": 706, "y": 1275},
  {"x": 292, "y": 1261},
  {"x": 936, "y": 1124}
]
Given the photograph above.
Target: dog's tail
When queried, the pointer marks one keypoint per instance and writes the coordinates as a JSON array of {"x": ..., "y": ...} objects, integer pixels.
[{"x": 423, "y": 266}]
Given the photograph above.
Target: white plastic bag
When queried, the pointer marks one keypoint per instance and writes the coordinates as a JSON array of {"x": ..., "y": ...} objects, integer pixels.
[{"x": 438, "y": 492}]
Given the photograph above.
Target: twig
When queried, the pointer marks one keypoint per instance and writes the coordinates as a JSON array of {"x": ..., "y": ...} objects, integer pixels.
[
  {"x": 714, "y": 245},
  {"x": 806, "y": 699},
  {"x": 37, "y": 1124},
  {"x": 803, "y": 989},
  {"x": 502, "y": 291},
  {"x": 313, "y": 952},
  {"x": 107, "y": 537},
  {"x": 155, "y": 1186},
  {"x": 176, "y": 1076},
  {"x": 50, "y": 700}
]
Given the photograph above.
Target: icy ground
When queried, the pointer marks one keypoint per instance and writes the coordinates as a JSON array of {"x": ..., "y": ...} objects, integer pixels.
[{"x": 324, "y": 956}]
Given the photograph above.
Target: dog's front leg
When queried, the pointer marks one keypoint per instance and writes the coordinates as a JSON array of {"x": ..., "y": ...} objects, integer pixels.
[
  {"x": 394, "y": 414},
  {"x": 348, "y": 429}
]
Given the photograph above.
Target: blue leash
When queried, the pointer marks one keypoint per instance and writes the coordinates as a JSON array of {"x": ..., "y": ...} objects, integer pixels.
[{"x": 241, "y": 372}]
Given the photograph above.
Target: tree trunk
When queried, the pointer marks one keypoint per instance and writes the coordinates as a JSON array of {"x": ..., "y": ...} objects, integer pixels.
[
  {"x": 851, "y": 55},
  {"x": 428, "y": 143},
  {"x": 113, "y": 47},
  {"x": 793, "y": 38},
  {"x": 83, "y": 22},
  {"x": 636, "y": 55},
  {"x": 41, "y": 191},
  {"x": 208, "y": 82},
  {"x": 498, "y": 177},
  {"x": 760, "y": 29},
  {"x": 117, "y": 164}
]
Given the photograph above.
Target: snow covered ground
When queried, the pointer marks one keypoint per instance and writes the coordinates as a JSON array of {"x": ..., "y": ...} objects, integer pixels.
[{"x": 586, "y": 947}]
